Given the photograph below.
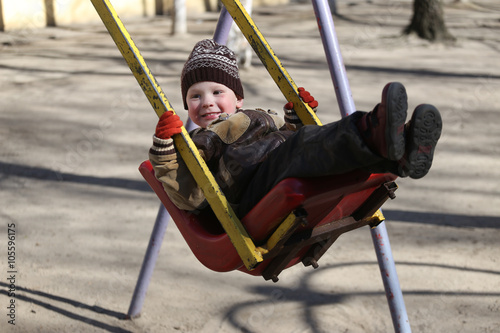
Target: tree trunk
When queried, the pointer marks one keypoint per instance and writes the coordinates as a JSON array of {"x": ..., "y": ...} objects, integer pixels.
[
  {"x": 179, "y": 21},
  {"x": 333, "y": 7},
  {"x": 50, "y": 15},
  {"x": 428, "y": 21},
  {"x": 159, "y": 7},
  {"x": 208, "y": 5},
  {"x": 2, "y": 25}
]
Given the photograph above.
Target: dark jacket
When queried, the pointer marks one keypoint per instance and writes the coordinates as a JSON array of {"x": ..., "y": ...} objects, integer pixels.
[{"x": 232, "y": 146}]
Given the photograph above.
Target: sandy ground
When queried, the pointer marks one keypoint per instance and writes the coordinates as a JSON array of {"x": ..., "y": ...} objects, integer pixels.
[{"x": 75, "y": 126}]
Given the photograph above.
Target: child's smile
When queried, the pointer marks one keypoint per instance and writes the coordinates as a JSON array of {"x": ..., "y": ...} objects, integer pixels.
[{"x": 206, "y": 100}]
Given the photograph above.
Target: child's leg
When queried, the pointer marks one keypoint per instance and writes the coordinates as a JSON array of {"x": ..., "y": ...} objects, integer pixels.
[
  {"x": 371, "y": 141},
  {"x": 315, "y": 151},
  {"x": 376, "y": 142}
]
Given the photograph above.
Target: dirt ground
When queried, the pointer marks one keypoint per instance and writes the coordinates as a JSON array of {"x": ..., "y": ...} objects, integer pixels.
[{"x": 75, "y": 126}]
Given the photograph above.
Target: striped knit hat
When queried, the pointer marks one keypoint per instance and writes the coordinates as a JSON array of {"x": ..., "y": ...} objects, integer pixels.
[{"x": 210, "y": 61}]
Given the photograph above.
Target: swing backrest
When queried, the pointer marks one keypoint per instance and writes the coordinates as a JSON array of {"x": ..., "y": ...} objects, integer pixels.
[{"x": 325, "y": 199}]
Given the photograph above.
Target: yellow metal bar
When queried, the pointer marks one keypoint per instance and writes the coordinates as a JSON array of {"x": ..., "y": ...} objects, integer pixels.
[
  {"x": 132, "y": 56},
  {"x": 281, "y": 232},
  {"x": 244, "y": 245},
  {"x": 376, "y": 218},
  {"x": 270, "y": 61}
]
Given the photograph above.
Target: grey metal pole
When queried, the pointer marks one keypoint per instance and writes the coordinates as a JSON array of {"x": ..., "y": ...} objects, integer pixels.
[
  {"x": 223, "y": 27},
  {"x": 149, "y": 263},
  {"x": 346, "y": 103},
  {"x": 390, "y": 278},
  {"x": 152, "y": 252},
  {"x": 334, "y": 57}
]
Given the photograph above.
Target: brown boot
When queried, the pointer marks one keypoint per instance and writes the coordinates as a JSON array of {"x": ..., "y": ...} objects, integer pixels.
[
  {"x": 422, "y": 134},
  {"x": 383, "y": 128}
]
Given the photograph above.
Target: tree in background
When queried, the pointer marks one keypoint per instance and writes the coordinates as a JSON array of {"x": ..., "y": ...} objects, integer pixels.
[
  {"x": 428, "y": 21},
  {"x": 2, "y": 25}
]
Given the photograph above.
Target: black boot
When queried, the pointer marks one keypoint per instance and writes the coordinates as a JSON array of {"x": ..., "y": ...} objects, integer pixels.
[
  {"x": 422, "y": 134},
  {"x": 383, "y": 128}
]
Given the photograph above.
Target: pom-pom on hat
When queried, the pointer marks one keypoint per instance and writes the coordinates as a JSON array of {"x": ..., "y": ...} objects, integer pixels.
[{"x": 210, "y": 61}]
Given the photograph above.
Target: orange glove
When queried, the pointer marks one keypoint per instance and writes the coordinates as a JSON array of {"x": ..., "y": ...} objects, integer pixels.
[
  {"x": 306, "y": 97},
  {"x": 168, "y": 125}
]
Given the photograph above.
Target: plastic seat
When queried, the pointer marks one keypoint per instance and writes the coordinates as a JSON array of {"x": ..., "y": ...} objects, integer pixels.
[{"x": 348, "y": 197}]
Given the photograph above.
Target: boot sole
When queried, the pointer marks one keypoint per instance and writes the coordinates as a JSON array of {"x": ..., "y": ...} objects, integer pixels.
[
  {"x": 396, "y": 103},
  {"x": 423, "y": 134}
]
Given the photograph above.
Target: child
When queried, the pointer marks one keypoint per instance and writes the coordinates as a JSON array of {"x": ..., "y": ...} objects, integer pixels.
[{"x": 250, "y": 151}]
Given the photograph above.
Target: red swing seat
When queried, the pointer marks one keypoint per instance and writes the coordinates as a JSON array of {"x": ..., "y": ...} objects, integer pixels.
[{"x": 333, "y": 204}]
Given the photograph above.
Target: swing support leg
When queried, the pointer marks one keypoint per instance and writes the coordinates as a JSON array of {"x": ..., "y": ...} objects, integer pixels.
[
  {"x": 223, "y": 27},
  {"x": 392, "y": 287},
  {"x": 149, "y": 263},
  {"x": 151, "y": 255},
  {"x": 379, "y": 234}
]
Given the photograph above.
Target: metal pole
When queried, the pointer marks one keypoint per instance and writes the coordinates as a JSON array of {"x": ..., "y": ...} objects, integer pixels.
[
  {"x": 223, "y": 27},
  {"x": 346, "y": 104},
  {"x": 334, "y": 57},
  {"x": 390, "y": 277},
  {"x": 149, "y": 263}
]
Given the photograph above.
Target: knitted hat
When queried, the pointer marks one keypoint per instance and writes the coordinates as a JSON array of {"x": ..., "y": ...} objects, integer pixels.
[{"x": 210, "y": 61}]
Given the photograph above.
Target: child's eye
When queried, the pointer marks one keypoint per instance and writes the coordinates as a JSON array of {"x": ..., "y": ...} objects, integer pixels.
[
  {"x": 217, "y": 92},
  {"x": 195, "y": 96}
]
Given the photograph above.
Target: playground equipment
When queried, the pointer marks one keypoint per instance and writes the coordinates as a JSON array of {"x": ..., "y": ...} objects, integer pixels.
[{"x": 307, "y": 215}]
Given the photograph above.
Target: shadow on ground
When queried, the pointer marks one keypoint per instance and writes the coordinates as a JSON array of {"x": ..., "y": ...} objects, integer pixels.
[
  {"x": 308, "y": 297},
  {"x": 26, "y": 295}
]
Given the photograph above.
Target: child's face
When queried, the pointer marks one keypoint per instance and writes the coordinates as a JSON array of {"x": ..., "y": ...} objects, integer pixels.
[{"x": 207, "y": 100}]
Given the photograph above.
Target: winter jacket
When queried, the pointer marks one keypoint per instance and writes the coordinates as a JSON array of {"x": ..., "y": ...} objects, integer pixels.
[{"x": 232, "y": 146}]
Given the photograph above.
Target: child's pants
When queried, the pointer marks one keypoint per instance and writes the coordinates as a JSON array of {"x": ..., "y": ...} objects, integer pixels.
[{"x": 315, "y": 151}]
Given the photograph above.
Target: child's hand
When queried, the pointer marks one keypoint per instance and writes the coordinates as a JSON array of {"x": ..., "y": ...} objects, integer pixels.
[
  {"x": 306, "y": 97},
  {"x": 168, "y": 125}
]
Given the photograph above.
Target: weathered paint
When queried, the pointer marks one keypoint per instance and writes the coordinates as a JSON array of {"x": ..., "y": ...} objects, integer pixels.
[{"x": 270, "y": 61}]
